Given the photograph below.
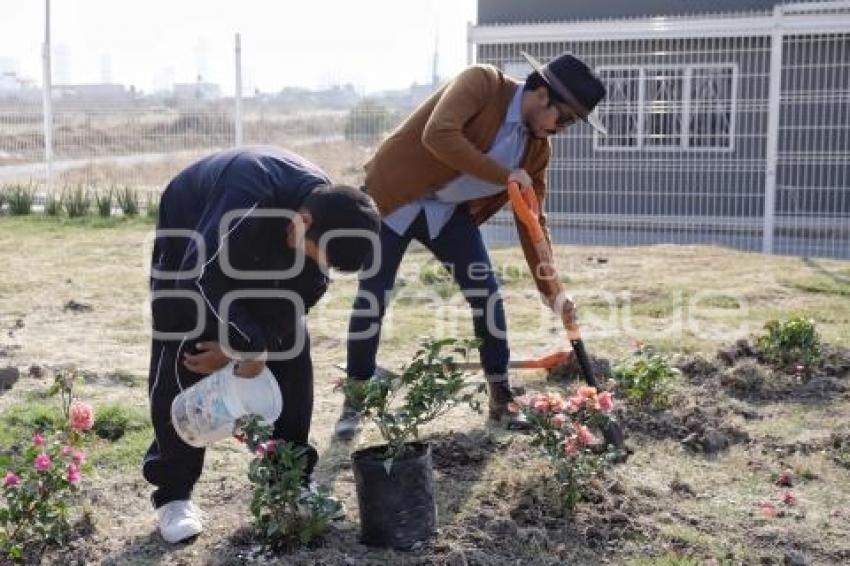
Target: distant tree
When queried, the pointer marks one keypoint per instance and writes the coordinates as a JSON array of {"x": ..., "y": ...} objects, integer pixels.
[{"x": 368, "y": 121}]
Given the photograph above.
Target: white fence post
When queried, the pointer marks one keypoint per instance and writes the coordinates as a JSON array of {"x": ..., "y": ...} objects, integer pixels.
[
  {"x": 47, "y": 99},
  {"x": 238, "y": 92},
  {"x": 470, "y": 44},
  {"x": 772, "y": 146}
]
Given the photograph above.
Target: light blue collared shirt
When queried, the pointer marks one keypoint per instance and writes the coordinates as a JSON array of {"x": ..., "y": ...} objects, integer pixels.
[{"x": 507, "y": 150}]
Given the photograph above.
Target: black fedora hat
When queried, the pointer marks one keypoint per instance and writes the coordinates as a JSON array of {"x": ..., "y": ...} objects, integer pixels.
[{"x": 575, "y": 83}]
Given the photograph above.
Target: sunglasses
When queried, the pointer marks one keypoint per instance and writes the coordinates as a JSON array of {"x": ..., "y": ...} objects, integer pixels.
[{"x": 565, "y": 118}]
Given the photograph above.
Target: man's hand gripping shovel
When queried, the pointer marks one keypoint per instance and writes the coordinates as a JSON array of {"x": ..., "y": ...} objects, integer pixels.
[{"x": 527, "y": 209}]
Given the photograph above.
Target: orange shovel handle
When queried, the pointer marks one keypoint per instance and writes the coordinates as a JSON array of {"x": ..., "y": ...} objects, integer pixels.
[{"x": 527, "y": 209}]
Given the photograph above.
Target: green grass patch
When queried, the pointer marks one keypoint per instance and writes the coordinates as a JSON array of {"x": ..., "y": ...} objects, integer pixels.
[
  {"x": 124, "y": 377},
  {"x": 40, "y": 224},
  {"x": 661, "y": 306},
  {"x": 121, "y": 434},
  {"x": 113, "y": 422},
  {"x": 719, "y": 302},
  {"x": 19, "y": 422},
  {"x": 821, "y": 285},
  {"x": 124, "y": 454}
]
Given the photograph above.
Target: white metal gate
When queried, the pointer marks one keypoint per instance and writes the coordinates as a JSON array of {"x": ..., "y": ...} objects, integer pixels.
[{"x": 730, "y": 130}]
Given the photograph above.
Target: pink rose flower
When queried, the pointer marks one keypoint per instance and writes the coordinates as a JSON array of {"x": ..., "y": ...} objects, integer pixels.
[
  {"x": 785, "y": 479},
  {"x": 81, "y": 416},
  {"x": 513, "y": 407},
  {"x": 586, "y": 392},
  {"x": 67, "y": 450},
  {"x": 556, "y": 402},
  {"x": 42, "y": 462},
  {"x": 11, "y": 479},
  {"x": 559, "y": 420},
  {"x": 38, "y": 439},
  {"x": 605, "y": 401},
  {"x": 266, "y": 448},
  {"x": 789, "y": 498},
  {"x": 73, "y": 474},
  {"x": 574, "y": 404},
  {"x": 79, "y": 457},
  {"x": 767, "y": 510},
  {"x": 541, "y": 405},
  {"x": 585, "y": 437},
  {"x": 571, "y": 446}
]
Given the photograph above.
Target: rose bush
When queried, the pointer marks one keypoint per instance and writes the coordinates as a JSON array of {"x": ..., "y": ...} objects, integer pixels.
[
  {"x": 40, "y": 479},
  {"x": 563, "y": 427},
  {"x": 285, "y": 512}
]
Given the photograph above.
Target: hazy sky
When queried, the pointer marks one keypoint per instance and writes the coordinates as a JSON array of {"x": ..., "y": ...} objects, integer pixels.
[{"x": 374, "y": 44}]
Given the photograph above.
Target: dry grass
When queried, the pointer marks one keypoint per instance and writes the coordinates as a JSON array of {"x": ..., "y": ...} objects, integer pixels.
[{"x": 690, "y": 299}]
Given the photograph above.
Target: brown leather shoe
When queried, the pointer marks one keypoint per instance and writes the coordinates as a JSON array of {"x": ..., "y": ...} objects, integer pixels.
[{"x": 499, "y": 411}]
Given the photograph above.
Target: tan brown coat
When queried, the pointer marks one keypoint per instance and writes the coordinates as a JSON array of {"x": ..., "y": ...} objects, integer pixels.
[{"x": 449, "y": 135}]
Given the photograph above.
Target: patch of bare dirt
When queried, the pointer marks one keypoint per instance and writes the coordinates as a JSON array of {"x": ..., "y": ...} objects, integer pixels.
[
  {"x": 742, "y": 371},
  {"x": 571, "y": 371},
  {"x": 700, "y": 428}
]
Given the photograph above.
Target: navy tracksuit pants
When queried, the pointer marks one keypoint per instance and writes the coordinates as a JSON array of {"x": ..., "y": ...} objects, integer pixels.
[
  {"x": 460, "y": 248},
  {"x": 173, "y": 466}
]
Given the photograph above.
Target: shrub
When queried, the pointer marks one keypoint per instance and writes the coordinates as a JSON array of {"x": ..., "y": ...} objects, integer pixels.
[
  {"x": 113, "y": 422},
  {"x": 76, "y": 201},
  {"x": 368, "y": 121},
  {"x": 563, "y": 428},
  {"x": 152, "y": 205},
  {"x": 791, "y": 341},
  {"x": 103, "y": 203},
  {"x": 645, "y": 377},
  {"x": 128, "y": 201},
  {"x": 426, "y": 388},
  {"x": 20, "y": 199},
  {"x": 52, "y": 205},
  {"x": 285, "y": 513}
]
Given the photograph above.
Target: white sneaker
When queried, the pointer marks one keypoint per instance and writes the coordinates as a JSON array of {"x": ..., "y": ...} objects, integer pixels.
[{"x": 179, "y": 520}]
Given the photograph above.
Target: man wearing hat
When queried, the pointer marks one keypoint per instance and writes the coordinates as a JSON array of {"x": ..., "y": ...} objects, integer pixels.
[{"x": 443, "y": 172}]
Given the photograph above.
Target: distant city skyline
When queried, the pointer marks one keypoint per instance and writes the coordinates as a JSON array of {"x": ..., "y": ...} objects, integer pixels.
[{"x": 374, "y": 45}]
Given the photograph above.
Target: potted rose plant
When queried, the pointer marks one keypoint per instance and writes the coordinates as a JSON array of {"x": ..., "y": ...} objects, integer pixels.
[
  {"x": 394, "y": 481},
  {"x": 564, "y": 428}
]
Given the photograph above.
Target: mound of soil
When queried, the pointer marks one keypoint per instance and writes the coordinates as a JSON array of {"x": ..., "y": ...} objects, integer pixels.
[
  {"x": 703, "y": 429},
  {"x": 742, "y": 371},
  {"x": 460, "y": 455},
  {"x": 570, "y": 371},
  {"x": 696, "y": 368}
]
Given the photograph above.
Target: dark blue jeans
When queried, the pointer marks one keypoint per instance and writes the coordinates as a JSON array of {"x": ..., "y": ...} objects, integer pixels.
[{"x": 461, "y": 250}]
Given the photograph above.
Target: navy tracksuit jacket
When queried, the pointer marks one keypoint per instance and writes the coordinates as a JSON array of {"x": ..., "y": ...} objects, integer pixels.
[{"x": 213, "y": 238}]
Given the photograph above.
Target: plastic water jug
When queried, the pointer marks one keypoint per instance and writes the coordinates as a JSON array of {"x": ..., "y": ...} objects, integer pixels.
[{"x": 207, "y": 411}]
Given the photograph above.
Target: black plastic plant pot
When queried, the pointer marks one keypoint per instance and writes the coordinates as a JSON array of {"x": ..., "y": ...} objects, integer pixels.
[{"x": 397, "y": 508}]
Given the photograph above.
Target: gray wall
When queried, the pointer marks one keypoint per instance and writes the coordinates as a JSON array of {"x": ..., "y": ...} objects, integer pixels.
[
  {"x": 515, "y": 11},
  {"x": 672, "y": 182}
]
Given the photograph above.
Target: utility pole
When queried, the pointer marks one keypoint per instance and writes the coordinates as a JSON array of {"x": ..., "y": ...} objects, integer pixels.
[
  {"x": 238, "y": 93},
  {"x": 47, "y": 98}
]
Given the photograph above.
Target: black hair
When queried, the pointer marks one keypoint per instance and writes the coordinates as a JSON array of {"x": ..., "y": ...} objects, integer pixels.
[
  {"x": 340, "y": 207},
  {"x": 534, "y": 81}
]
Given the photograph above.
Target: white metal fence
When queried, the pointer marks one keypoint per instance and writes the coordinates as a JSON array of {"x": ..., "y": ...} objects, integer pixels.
[
  {"x": 143, "y": 144},
  {"x": 725, "y": 130},
  {"x": 728, "y": 130}
]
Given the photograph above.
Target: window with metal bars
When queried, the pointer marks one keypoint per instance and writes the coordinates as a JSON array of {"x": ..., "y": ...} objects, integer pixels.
[{"x": 668, "y": 107}]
